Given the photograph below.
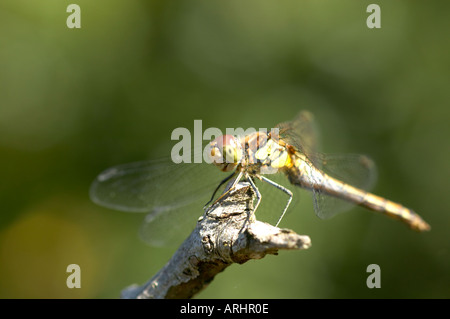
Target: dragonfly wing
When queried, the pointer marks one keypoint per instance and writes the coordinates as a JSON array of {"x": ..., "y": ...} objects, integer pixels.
[
  {"x": 356, "y": 170},
  {"x": 171, "y": 194},
  {"x": 168, "y": 226},
  {"x": 142, "y": 186},
  {"x": 301, "y": 132}
]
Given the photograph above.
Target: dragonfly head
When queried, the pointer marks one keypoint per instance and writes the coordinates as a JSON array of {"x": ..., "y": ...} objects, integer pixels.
[{"x": 225, "y": 152}]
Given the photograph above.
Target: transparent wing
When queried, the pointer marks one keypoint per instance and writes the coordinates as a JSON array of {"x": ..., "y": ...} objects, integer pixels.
[
  {"x": 142, "y": 186},
  {"x": 274, "y": 200},
  {"x": 301, "y": 132},
  {"x": 169, "y": 226},
  {"x": 356, "y": 170},
  {"x": 171, "y": 194}
]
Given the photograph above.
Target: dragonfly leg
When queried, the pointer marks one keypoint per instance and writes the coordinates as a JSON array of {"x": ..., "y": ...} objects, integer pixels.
[
  {"x": 238, "y": 178},
  {"x": 256, "y": 190},
  {"x": 282, "y": 188},
  {"x": 218, "y": 186}
]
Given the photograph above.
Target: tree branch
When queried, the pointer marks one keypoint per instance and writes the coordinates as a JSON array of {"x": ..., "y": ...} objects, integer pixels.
[{"x": 227, "y": 233}]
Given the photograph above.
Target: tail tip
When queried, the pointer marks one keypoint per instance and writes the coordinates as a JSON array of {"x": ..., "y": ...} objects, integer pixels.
[{"x": 421, "y": 226}]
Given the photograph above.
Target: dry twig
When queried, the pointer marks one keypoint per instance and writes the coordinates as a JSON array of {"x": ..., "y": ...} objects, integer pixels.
[{"x": 227, "y": 233}]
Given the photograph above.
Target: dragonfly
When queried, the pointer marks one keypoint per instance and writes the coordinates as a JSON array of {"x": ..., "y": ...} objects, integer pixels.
[
  {"x": 166, "y": 191},
  {"x": 288, "y": 149}
]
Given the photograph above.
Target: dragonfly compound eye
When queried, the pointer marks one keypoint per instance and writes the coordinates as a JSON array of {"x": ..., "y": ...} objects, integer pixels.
[{"x": 225, "y": 152}]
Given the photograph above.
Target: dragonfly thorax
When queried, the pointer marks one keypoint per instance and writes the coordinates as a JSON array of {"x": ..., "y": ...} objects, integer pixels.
[{"x": 264, "y": 155}]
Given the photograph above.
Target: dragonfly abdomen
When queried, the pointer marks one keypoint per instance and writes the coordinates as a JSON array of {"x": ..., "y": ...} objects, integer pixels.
[
  {"x": 306, "y": 175},
  {"x": 395, "y": 211}
]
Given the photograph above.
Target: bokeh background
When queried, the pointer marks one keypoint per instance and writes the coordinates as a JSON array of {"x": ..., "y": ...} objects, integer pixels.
[{"x": 76, "y": 101}]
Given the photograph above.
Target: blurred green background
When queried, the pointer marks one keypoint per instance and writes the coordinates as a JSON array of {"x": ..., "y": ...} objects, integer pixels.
[{"x": 76, "y": 101}]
